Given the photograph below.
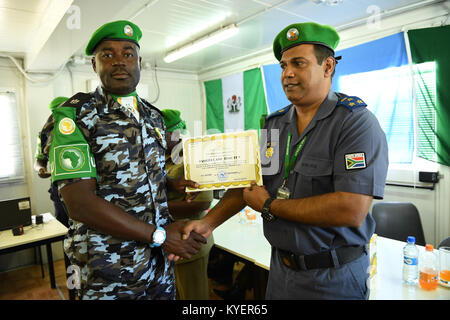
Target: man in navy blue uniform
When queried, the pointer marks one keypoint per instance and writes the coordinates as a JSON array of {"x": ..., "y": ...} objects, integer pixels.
[{"x": 324, "y": 159}]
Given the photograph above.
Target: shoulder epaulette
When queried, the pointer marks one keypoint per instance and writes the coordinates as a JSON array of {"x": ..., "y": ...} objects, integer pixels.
[
  {"x": 351, "y": 102},
  {"x": 77, "y": 100},
  {"x": 279, "y": 112}
]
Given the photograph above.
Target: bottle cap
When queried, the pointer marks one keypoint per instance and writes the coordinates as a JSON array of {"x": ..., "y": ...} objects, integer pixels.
[
  {"x": 429, "y": 247},
  {"x": 411, "y": 239}
]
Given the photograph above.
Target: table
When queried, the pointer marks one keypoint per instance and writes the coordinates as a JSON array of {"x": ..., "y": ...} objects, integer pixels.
[
  {"x": 51, "y": 231},
  {"x": 248, "y": 242},
  {"x": 244, "y": 240},
  {"x": 387, "y": 282}
]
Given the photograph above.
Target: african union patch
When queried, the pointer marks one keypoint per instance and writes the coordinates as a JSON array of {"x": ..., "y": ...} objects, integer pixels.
[
  {"x": 355, "y": 161},
  {"x": 66, "y": 126},
  {"x": 72, "y": 159}
]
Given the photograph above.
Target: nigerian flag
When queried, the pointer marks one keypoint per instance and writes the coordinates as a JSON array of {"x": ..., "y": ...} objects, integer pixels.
[{"x": 235, "y": 102}]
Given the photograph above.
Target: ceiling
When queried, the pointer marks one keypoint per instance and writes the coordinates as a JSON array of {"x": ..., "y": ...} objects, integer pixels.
[{"x": 47, "y": 33}]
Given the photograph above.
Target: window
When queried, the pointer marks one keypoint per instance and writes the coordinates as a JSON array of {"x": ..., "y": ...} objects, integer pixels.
[
  {"x": 388, "y": 94},
  {"x": 403, "y": 98},
  {"x": 410, "y": 131},
  {"x": 11, "y": 161}
]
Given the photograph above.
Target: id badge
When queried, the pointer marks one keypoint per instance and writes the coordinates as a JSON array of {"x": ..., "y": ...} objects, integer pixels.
[{"x": 283, "y": 193}]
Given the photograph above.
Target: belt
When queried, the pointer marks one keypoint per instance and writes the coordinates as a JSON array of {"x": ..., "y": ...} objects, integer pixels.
[{"x": 329, "y": 259}]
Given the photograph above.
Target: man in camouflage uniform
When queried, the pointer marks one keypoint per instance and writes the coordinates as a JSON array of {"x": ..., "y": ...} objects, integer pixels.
[
  {"x": 40, "y": 166},
  {"x": 107, "y": 156}
]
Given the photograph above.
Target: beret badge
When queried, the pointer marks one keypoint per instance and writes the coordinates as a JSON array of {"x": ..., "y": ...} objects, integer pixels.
[
  {"x": 128, "y": 31},
  {"x": 292, "y": 34}
]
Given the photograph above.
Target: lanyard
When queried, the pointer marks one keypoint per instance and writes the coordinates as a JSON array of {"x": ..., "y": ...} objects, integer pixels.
[{"x": 288, "y": 163}]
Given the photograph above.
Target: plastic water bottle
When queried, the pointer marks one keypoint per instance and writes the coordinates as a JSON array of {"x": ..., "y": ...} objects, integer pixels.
[
  {"x": 429, "y": 269},
  {"x": 410, "y": 262}
]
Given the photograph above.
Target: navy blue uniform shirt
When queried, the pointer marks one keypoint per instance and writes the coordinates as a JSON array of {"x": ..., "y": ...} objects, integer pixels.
[{"x": 345, "y": 150}]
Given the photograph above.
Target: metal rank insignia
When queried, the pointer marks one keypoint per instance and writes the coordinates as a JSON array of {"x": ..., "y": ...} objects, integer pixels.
[{"x": 270, "y": 149}]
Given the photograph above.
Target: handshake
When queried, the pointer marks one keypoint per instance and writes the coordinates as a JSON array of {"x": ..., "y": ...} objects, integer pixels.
[
  {"x": 181, "y": 239},
  {"x": 179, "y": 245},
  {"x": 184, "y": 238}
]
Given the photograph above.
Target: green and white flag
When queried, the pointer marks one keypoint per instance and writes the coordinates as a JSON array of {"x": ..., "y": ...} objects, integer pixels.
[{"x": 235, "y": 102}]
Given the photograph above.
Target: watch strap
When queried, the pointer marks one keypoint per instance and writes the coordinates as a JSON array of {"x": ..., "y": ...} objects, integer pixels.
[
  {"x": 267, "y": 203},
  {"x": 265, "y": 212}
]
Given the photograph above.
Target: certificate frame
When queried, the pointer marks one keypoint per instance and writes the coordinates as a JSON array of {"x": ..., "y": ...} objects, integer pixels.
[{"x": 235, "y": 156}]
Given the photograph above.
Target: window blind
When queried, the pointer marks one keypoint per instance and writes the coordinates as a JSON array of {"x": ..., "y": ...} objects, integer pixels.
[{"x": 11, "y": 161}]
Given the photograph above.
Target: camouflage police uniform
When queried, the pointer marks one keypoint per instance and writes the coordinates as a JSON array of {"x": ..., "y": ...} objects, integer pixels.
[{"x": 129, "y": 159}]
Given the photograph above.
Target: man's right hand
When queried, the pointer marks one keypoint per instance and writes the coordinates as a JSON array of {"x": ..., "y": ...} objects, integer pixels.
[
  {"x": 175, "y": 244},
  {"x": 198, "y": 226}
]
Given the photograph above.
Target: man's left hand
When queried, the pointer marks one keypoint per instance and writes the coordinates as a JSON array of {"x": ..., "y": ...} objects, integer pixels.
[
  {"x": 180, "y": 184},
  {"x": 255, "y": 196}
]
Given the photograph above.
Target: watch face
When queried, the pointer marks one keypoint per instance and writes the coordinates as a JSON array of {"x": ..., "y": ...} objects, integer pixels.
[{"x": 159, "y": 236}]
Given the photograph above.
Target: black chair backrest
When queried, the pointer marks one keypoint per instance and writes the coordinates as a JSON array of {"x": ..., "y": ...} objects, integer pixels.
[
  {"x": 445, "y": 243},
  {"x": 398, "y": 220}
]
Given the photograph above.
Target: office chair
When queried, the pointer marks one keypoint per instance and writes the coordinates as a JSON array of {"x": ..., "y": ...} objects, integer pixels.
[
  {"x": 445, "y": 243},
  {"x": 398, "y": 220}
]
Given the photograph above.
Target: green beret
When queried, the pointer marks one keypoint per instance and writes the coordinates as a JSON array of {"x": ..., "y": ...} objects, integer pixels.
[
  {"x": 116, "y": 30},
  {"x": 307, "y": 32},
  {"x": 56, "y": 102},
  {"x": 172, "y": 120}
]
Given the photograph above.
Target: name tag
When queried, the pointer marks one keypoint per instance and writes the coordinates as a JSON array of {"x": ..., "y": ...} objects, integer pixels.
[{"x": 283, "y": 193}]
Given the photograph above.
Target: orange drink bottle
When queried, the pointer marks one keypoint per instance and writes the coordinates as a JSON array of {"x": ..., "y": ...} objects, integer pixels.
[{"x": 428, "y": 278}]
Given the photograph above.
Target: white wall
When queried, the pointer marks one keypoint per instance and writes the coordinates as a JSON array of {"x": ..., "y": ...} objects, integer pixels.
[{"x": 10, "y": 79}]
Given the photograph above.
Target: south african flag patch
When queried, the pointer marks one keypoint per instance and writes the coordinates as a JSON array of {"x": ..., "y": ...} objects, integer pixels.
[{"x": 355, "y": 161}]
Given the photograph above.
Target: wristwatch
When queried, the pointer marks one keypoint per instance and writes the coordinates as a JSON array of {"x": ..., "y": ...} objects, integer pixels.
[
  {"x": 159, "y": 236},
  {"x": 265, "y": 213}
]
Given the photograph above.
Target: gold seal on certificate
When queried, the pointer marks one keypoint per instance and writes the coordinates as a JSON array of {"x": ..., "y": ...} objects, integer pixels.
[{"x": 222, "y": 161}]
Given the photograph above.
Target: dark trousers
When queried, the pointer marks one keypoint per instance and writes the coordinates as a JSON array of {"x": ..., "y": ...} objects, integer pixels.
[
  {"x": 346, "y": 282},
  {"x": 60, "y": 209}
]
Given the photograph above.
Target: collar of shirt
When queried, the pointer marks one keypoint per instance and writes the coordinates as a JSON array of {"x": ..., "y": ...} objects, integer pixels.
[
  {"x": 110, "y": 101},
  {"x": 325, "y": 109}
]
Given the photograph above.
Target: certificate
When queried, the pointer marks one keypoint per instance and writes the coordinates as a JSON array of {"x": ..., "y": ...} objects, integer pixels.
[{"x": 222, "y": 161}]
